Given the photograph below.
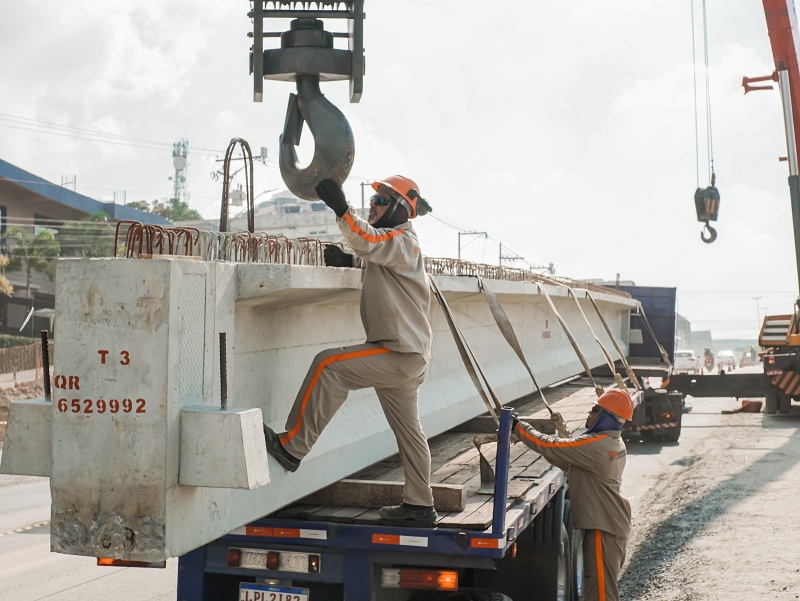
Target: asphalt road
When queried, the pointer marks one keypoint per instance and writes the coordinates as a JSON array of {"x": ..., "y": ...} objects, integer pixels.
[{"x": 30, "y": 572}]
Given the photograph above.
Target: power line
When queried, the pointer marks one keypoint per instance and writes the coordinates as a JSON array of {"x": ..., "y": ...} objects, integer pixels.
[{"x": 47, "y": 127}]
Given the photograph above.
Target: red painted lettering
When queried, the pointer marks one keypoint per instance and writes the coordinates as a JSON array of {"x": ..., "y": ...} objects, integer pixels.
[
  {"x": 102, "y": 356},
  {"x": 126, "y": 358},
  {"x": 74, "y": 383}
]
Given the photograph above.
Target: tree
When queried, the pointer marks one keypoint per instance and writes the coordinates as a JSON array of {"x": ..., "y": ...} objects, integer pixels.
[
  {"x": 93, "y": 236},
  {"x": 5, "y": 286},
  {"x": 141, "y": 205},
  {"x": 173, "y": 209},
  {"x": 32, "y": 253}
]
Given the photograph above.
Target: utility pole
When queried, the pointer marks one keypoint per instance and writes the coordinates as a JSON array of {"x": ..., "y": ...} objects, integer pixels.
[
  {"x": 758, "y": 311},
  {"x": 484, "y": 234},
  {"x": 363, "y": 206}
]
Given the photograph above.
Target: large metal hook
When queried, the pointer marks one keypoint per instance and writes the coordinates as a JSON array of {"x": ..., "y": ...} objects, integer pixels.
[
  {"x": 334, "y": 145},
  {"x": 712, "y": 234}
]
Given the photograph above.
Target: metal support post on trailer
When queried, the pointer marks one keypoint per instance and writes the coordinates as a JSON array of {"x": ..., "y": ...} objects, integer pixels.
[
  {"x": 501, "y": 473},
  {"x": 357, "y": 575},
  {"x": 191, "y": 575}
]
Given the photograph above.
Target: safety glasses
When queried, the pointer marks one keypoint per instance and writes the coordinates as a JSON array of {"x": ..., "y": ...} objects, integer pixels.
[{"x": 380, "y": 201}]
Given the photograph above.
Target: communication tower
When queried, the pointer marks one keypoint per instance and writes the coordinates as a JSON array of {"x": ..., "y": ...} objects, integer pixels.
[{"x": 179, "y": 162}]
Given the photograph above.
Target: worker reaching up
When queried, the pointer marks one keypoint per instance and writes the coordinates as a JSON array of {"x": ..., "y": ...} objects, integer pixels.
[
  {"x": 594, "y": 463},
  {"x": 395, "y": 300}
]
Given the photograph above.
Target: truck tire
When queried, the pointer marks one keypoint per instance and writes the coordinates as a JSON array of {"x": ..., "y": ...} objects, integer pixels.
[
  {"x": 541, "y": 569},
  {"x": 784, "y": 402},
  {"x": 671, "y": 434},
  {"x": 576, "y": 560},
  {"x": 476, "y": 594},
  {"x": 771, "y": 404}
]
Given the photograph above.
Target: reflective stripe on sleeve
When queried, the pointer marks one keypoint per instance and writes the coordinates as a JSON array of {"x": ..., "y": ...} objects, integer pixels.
[
  {"x": 366, "y": 235},
  {"x": 562, "y": 444}
]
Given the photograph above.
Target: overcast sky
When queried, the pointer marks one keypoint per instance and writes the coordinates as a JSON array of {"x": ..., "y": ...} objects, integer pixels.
[{"x": 565, "y": 130}]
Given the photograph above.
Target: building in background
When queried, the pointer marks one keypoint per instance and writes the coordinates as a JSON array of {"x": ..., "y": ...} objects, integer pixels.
[
  {"x": 282, "y": 215},
  {"x": 34, "y": 204}
]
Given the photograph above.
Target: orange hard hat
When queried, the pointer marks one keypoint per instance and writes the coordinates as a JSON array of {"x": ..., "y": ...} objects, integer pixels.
[
  {"x": 408, "y": 192},
  {"x": 618, "y": 402}
]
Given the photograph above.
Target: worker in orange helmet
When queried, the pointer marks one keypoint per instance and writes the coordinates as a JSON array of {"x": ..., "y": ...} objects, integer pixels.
[
  {"x": 594, "y": 463},
  {"x": 395, "y": 301}
]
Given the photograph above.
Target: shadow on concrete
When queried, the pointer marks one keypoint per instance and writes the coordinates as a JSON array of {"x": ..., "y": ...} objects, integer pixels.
[{"x": 670, "y": 537}]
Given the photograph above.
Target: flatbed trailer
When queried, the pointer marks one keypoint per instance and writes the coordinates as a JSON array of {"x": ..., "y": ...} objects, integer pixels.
[{"x": 332, "y": 545}]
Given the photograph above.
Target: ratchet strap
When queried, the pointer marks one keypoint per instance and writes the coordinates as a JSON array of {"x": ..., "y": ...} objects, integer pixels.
[
  {"x": 472, "y": 365},
  {"x": 628, "y": 370},
  {"x": 487, "y": 475},
  {"x": 609, "y": 361},
  {"x": 507, "y": 330},
  {"x": 597, "y": 388},
  {"x": 664, "y": 355}
]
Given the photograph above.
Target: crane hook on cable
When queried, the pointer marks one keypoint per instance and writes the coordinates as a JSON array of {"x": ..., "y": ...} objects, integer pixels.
[
  {"x": 712, "y": 234},
  {"x": 308, "y": 57},
  {"x": 706, "y": 204},
  {"x": 334, "y": 145}
]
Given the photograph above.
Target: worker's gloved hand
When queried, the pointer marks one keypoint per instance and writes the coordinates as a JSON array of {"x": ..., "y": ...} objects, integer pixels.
[
  {"x": 336, "y": 257},
  {"x": 332, "y": 195},
  {"x": 514, "y": 421}
]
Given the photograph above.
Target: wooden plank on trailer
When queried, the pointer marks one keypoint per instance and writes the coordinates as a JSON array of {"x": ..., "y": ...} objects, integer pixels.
[{"x": 379, "y": 493}]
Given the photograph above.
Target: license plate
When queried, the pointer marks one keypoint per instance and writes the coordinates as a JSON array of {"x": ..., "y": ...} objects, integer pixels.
[
  {"x": 266, "y": 592},
  {"x": 774, "y": 372}
]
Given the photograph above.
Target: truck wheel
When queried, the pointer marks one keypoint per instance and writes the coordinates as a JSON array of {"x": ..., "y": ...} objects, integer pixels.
[
  {"x": 476, "y": 594},
  {"x": 784, "y": 402},
  {"x": 771, "y": 404},
  {"x": 671, "y": 434},
  {"x": 575, "y": 536}
]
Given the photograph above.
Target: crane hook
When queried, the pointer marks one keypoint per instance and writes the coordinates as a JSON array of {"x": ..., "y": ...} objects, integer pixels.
[
  {"x": 334, "y": 145},
  {"x": 712, "y": 234}
]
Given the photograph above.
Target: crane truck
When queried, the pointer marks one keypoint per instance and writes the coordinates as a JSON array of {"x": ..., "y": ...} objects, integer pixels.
[{"x": 779, "y": 336}]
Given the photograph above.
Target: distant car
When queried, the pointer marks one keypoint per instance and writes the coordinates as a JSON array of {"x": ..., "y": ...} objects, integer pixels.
[
  {"x": 726, "y": 361},
  {"x": 749, "y": 357},
  {"x": 686, "y": 362}
]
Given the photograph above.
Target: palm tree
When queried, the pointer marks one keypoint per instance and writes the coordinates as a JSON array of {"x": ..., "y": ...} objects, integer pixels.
[
  {"x": 32, "y": 253},
  {"x": 5, "y": 286}
]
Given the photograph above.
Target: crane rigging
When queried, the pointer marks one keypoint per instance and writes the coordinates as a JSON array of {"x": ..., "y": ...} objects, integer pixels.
[{"x": 706, "y": 200}]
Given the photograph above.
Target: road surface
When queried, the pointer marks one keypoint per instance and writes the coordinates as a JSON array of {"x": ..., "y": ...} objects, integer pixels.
[{"x": 714, "y": 517}]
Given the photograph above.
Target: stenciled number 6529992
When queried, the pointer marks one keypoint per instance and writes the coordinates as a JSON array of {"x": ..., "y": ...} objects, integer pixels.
[{"x": 102, "y": 405}]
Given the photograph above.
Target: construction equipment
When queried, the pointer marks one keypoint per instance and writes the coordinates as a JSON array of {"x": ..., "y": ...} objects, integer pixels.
[
  {"x": 308, "y": 57},
  {"x": 780, "y": 334}
]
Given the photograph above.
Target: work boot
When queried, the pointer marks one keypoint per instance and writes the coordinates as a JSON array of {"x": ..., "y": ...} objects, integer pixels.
[
  {"x": 409, "y": 514},
  {"x": 274, "y": 447}
]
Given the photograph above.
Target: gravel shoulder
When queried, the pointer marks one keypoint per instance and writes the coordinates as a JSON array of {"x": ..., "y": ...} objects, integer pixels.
[{"x": 716, "y": 516}]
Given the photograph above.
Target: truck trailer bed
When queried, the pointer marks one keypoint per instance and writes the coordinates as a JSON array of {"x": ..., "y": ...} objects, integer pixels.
[{"x": 462, "y": 500}]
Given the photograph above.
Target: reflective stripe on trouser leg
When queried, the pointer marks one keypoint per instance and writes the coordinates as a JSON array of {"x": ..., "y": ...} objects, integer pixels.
[
  {"x": 603, "y": 555},
  {"x": 332, "y": 375}
]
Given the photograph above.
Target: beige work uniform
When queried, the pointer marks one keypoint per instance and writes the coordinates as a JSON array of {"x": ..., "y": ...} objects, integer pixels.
[
  {"x": 395, "y": 300},
  {"x": 594, "y": 465}
]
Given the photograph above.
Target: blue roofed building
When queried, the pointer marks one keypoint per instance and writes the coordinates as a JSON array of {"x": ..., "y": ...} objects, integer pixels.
[{"x": 33, "y": 203}]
